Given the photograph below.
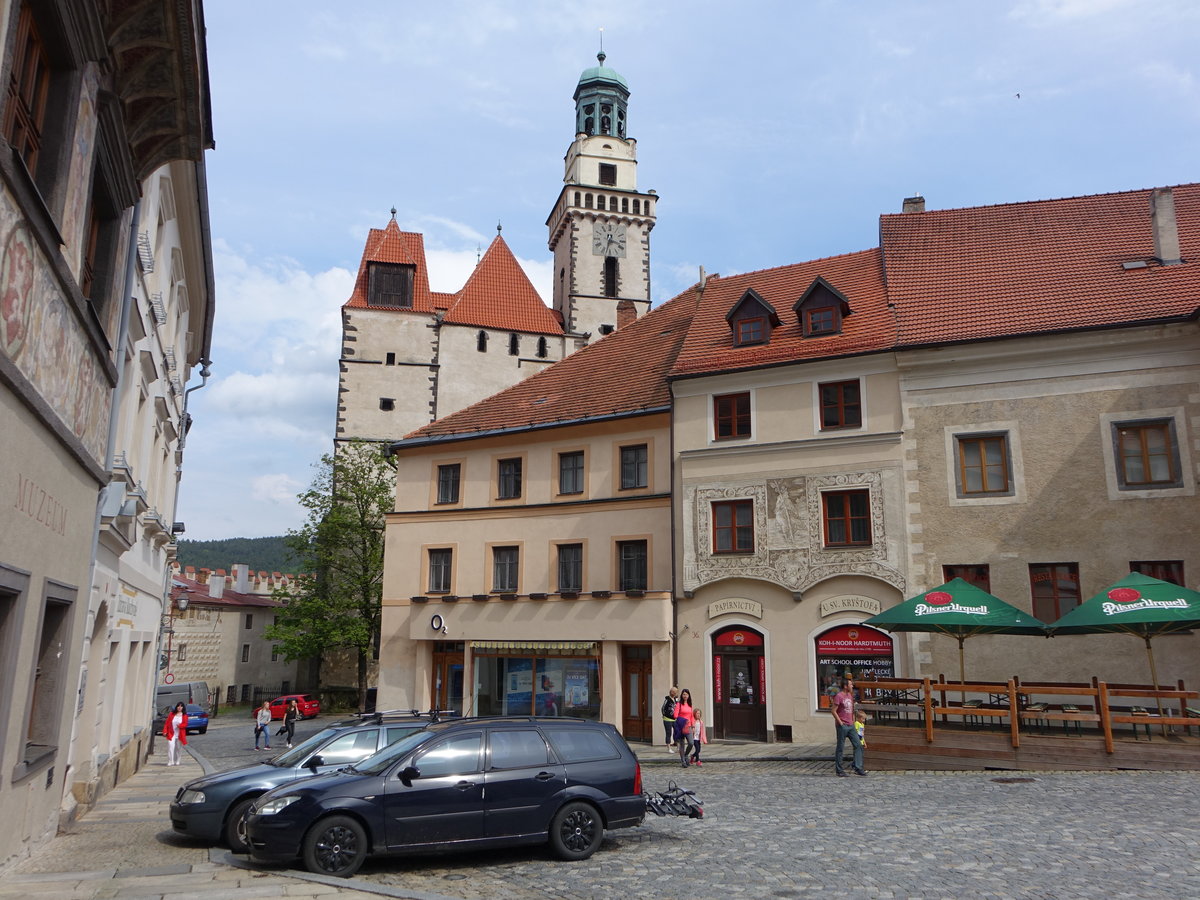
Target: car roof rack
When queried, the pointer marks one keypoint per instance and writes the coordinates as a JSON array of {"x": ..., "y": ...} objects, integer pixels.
[{"x": 434, "y": 715}]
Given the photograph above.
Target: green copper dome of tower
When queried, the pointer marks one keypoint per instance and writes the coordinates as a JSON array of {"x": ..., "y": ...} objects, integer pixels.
[{"x": 601, "y": 101}]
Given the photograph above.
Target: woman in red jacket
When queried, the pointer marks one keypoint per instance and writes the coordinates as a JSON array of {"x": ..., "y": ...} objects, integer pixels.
[{"x": 175, "y": 731}]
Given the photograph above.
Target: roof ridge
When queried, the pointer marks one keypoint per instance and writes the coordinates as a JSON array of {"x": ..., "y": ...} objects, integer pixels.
[
  {"x": 792, "y": 265},
  {"x": 1017, "y": 203}
]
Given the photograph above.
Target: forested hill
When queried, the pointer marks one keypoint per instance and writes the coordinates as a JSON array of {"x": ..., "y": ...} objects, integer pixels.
[{"x": 260, "y": 554}]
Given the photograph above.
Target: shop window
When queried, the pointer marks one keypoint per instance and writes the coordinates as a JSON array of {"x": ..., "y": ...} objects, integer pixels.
[
  {"x": 570, "y": 567},
  {"x": 733, "y": 526},
  {"x": 508, "y": 479},
  {"x": 570, "y": 472},
  {"x": 558, "y": 680},
  {"x": 634, "y": 467},
  {"x": 632, "y": 566},
  {"x": 984, "y": 465},
  {"x": 731, "y": 416},
  {"x": 505, "y": 569},
  {"x": 1163, "y": 569},
  {"x": 1055, "y": 589},
  {"x": 439, "y": 570},
  {"x": 978, "y": 575},
  {"x": 448, "y": 479},
  {"x": 50, "y": 675},
  {"x": 841, "y": 404},
  {"x": 1147, "y": 454},
  {"x": 851, "y": 651},
  {"x": 847, "y": 517}
]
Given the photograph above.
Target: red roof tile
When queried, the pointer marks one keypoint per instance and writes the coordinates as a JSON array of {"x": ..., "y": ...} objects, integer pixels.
[
  {"x": 391, "y": 245},
  {"x": 1023, "y": 268},
  {"x": 859, "y": 276},
  {"x": 199, "y": 593},
  {"x": 499, "y": 295},
  {"x": 622, "y": 374},
  {"x": 951, "y": 276}
]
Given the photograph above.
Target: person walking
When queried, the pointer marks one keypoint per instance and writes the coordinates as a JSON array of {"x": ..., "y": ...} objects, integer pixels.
[
  {"x": 698, "y": 736},
  {"x": 668, "y": 717},
  {"x": 683, "y": 725},
  {"x": 262, "y": 725},
  {"x": 843, "y": 717},
  {"x": 175, "y": 731},
  {"x": 289, "y": 720}
]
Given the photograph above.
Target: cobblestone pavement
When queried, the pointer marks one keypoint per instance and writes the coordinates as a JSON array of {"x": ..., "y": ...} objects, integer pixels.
[{"x": 773, "y": 828}]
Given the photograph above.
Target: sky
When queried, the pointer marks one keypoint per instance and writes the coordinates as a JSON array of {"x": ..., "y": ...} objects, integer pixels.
[{"x": 774, "y": 131}]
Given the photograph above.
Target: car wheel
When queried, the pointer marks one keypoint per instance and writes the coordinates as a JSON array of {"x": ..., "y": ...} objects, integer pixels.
[
  {"x": 204, "y": 730},
  {"x": 235, "y": 826},
  {"x": 576, "y": 831},
  {"x": 335, "y": 846}
]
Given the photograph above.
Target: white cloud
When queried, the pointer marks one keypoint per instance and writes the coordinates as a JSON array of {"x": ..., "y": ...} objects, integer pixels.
[{"x": 277, "y": 488}]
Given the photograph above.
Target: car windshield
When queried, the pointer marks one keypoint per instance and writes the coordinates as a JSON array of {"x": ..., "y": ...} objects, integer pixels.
[
  {"x": 300, "y": 752},
  {"x": 378, "y": 764}
]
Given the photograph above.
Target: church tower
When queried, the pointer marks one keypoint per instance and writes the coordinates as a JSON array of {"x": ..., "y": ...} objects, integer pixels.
[{"x": 600, "y": 225}]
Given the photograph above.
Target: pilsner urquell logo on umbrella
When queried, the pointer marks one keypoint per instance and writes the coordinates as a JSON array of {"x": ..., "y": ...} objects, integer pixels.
[
  {"x": 1127, "y": 599},
  {"x": 943, "y": 602}
]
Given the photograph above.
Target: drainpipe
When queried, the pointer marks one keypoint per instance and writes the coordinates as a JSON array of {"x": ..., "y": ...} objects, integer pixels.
[{"x": 109, "y": 448}]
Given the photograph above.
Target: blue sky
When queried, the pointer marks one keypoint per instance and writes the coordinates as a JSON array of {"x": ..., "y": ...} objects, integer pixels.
[{"x": 774, "y": 132}]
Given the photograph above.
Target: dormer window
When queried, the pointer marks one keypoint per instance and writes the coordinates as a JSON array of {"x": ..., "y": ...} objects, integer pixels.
[
  {"x": 821, "y": 309},
  {"x": 390, "y": 284},
  {"x": 751, "y": 320},
  {"x": 822, "y": 320}
]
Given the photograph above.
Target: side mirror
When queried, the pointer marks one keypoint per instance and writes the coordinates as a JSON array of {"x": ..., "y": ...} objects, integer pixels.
[
  {"x": 408, "y": 773},
  {"x": 314, "y": 762}
]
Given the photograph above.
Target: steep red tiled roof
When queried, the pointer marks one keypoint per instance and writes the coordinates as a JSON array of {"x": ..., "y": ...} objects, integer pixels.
[
  {"x": 196, "y": 592},
  {"x": 499, "y": 295},
  {"x": 951, "y": 276},
  {"x": 621, "y": 374},
  {"x": 391, "y": 245},
  {"x": 1024, "y": 268},
  {"x": 859, "y": 276}
]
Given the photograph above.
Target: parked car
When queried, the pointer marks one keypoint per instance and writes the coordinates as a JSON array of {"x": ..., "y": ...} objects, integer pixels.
[
  {"x": 197, "y": 719},
  {"x": 310, "y": 706},
  {"x": 466, "y": 783},
  {"x": 213, "y": 807}
]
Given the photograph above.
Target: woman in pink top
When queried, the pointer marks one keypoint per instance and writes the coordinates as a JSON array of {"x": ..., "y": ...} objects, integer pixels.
[{"x": 683, "y": 725}]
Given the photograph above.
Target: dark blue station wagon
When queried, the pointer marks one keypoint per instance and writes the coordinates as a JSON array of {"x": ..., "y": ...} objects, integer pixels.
[{"x": 467, "y": 783}]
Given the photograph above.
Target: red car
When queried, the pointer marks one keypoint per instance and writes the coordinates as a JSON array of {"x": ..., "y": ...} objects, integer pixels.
[{"x": 309, "y": 705}]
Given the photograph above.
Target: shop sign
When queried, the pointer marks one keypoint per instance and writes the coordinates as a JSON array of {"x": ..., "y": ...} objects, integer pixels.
[
  {"x": 851, "y": 603},
  {"x": 735, "y": 605},
  {"x": 856, "y": 640},
  {"x": 854, "y": 650}
]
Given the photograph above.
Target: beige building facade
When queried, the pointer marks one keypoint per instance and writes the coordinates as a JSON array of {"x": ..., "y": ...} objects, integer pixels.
[
  {"x": 105, "y": 102},
  {"x": 839, "y": 435}
]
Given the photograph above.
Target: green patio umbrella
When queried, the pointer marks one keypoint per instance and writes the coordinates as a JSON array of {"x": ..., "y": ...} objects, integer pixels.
[
  {"x": 1137, "y": 605},
  {"x": 961, "y": 610}
]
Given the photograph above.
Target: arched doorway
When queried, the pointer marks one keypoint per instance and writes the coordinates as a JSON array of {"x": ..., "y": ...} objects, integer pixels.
[{"x": 739, "y": 684}]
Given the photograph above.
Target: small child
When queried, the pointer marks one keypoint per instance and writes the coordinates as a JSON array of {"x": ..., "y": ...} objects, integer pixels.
[
  {"x": 698, "y": 735},
  {"x": 860, "y": 725}
]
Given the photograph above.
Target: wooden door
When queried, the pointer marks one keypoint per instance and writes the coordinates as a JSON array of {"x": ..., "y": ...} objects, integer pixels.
[
  {"x": 637, "y": 723},
  {"x": 448, "y": 678}
]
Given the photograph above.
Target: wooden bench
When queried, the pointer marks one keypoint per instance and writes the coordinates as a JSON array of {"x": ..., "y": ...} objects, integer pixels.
[{"x": 1042, "y": 714}]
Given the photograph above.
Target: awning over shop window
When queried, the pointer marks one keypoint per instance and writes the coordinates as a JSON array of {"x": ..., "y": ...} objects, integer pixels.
[{"x": 545, "y": 646}]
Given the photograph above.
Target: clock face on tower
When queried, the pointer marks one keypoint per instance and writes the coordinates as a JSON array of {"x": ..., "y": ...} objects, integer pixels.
[{"x": 608, "y": 239}]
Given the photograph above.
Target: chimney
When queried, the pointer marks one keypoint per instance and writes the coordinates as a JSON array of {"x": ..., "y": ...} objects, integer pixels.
[
  {"x": 913, "y": 204},
  {"x": 626, "y": 313},
  {"x": 241, "y": 578},
  {"x": 1164, "y": 226},
  {"x": 216, "y": 586},
  {"x": 202, "y": 576}
]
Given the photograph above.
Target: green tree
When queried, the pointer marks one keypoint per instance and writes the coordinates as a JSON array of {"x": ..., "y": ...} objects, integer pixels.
[{"x": 341, "y": 545}]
